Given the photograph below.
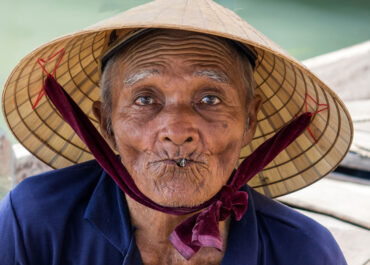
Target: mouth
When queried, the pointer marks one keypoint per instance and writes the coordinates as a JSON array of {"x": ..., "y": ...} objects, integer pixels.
[{"x": 181, "y": 162}]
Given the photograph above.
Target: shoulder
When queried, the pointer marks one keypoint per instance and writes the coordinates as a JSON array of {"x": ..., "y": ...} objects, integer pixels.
[
  {"x": 294, "y": 237},
  {"x": 58, "y": 184},
  {"x": 51, "y": 195},
  {"x": 67, "y": 177},
  {"x": 59, "y": 216},
  {"x": 37, "y": 215}
]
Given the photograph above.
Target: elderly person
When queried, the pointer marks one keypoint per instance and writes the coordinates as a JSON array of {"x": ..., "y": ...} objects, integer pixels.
[{"x": 180, "y": 108}]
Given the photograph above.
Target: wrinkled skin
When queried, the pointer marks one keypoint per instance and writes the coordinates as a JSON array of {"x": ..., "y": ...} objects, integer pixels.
[{"x": 177, "y": 95}]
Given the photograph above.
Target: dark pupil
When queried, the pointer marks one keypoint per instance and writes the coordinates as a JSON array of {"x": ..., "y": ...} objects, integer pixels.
[
  {"x": 210, "y": 99},
  {"x": 146, "y": 100}
]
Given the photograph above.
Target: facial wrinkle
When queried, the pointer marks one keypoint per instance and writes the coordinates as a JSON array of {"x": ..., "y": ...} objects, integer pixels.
[
  {"x": 163, "y": 47},
  {"x": 221, "y": 51},
  {"x": 208, "y": 61},
  {"x": 149, "y": 40},
  {"x": 153, "y": 41},
  {"x": 210, "y": 64},
  {"x": 213, "y": 70},
  {"x": 191, "y": 36},
  {"x": 178, "y": 47},
  {"x": 178, "y": 51}
]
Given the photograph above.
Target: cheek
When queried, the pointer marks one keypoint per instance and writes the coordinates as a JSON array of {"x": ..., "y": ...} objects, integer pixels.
[
  {"x": 225, "y": 135},
  {"x": 129, "y": 124},
  {"x": 224, "y": 141},
  {"x": 132, "y": 137}
]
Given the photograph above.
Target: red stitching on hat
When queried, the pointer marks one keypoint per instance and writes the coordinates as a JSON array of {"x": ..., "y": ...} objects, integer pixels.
[
  {"x": 42, "y": 63},
  {"x": 326, "y": 106}
]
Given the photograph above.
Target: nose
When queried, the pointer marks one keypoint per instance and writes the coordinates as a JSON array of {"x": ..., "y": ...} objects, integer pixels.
[
  {"x": 179, "y": 126},
  {"x": 179, "y": 134}
]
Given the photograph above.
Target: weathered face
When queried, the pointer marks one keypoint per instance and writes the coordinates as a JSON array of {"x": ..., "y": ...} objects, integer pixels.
[{"x": 179, "y": 95}]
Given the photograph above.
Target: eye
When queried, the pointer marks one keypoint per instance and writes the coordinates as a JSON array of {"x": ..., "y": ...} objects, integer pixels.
[
  {"x": 144, "y": 100},
  {"x": 210, "y": 100}
]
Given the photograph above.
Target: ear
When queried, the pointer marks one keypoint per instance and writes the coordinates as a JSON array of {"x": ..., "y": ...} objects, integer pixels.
[
  {"x": 101, "y": 115},
  {"x": 250, "y": 127}
]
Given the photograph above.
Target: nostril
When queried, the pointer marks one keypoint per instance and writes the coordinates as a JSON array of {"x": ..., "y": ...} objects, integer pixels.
[
  {"x": 177, "y": 139},
  {"x": 189, "y": 139}
]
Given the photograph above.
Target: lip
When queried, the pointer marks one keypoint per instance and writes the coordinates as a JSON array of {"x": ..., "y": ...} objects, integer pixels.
[{"x": 173, "y": 162}]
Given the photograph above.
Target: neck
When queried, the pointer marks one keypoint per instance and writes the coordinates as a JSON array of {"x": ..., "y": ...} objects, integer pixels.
[{"x": 152, "y": 231}]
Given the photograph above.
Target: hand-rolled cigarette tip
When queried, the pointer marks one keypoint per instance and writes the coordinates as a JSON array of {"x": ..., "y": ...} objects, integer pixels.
[{"x": 181, "y": 162}]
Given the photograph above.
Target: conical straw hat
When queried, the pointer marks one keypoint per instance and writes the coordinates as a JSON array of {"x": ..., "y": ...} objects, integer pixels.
[{"x": 282, "y": 82}]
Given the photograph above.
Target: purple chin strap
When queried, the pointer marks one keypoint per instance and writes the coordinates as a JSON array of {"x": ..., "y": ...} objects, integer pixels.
[{"x": 201, "y": 229}]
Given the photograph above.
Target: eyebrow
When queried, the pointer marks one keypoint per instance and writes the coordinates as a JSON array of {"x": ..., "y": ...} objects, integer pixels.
[
  {"x": 212, "y": 74},
  {"x": 143, "y": 74},
  {"x": 139, "y": 76}
]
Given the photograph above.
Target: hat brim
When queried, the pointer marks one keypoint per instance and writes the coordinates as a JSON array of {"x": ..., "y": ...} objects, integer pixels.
[{"x": 282, "y": 82}]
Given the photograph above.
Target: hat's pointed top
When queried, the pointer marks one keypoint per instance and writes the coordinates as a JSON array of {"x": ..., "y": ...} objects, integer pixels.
[{"x": 204, "y": 16}]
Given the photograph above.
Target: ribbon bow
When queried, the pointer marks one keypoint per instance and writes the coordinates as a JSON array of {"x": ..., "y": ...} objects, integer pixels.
[{"x": 201, "y": 230}]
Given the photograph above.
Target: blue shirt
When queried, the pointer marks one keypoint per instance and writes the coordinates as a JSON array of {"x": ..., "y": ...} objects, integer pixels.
[{"x": 78, "y": 215}]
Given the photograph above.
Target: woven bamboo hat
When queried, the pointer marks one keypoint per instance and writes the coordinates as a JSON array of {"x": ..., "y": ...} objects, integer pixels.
[{"x": 286, "y": 86}]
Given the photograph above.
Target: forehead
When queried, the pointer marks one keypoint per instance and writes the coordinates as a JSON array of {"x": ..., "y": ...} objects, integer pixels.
[{"x": 159, "y": 47}]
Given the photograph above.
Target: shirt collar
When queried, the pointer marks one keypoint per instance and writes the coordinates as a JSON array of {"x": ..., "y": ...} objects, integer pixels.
[
  {"x": 243, "y": 241},
  {"x": 107, "y": 211}
]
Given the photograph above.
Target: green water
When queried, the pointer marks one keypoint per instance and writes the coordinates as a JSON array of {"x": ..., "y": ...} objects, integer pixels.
[{"x": 305, "y": 28}]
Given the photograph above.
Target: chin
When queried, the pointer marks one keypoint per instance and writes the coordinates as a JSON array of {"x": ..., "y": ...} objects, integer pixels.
[
  {"x": 180, "y": 187},
  {"x": 181, "y": 198}
]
